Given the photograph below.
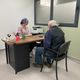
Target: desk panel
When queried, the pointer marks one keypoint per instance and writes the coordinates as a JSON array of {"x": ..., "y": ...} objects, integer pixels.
[{"x": 18, "y": 53}]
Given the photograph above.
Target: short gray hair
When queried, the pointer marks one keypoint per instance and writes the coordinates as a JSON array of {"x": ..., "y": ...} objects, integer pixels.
[{"x": 52, "y": 23}]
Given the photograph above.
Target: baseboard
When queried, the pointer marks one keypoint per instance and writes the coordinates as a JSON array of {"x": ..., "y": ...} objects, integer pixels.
[{"x": 74, "y": 59}]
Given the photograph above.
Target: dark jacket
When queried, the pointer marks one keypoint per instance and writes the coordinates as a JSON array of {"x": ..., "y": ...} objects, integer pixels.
[{"x": 54, "y": 38}]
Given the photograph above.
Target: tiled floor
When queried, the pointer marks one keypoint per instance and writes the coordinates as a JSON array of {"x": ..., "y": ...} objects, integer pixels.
[{"x": 32, "y": 73}]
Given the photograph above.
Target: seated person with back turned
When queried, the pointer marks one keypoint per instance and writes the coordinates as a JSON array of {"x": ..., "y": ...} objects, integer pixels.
[{"x": 54, "y": 37}]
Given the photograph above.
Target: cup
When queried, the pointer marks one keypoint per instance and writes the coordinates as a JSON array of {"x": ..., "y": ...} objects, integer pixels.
[
  {"x": 23, "y": 37},
  {"x": 17, "y": 38}
]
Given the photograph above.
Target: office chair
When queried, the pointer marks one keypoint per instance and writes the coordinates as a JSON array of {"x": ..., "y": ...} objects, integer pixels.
[{"x": 60, "y": 54}]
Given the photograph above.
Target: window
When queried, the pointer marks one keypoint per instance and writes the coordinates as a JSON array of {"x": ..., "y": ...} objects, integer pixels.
[
  {"x": 65, "y": 12},
  {"x": 42, "y": 12}
]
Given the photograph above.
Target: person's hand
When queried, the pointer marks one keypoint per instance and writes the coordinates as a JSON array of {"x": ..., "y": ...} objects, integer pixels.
[{"x": 29, "y": 34}]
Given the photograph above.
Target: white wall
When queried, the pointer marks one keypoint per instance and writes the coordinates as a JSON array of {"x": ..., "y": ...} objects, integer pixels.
[
  {"x": 11, "y": 12},
  {"x": 73, "y": 34}
]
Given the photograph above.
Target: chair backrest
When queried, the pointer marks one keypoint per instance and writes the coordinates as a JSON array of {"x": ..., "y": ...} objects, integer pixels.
[{"x": 64, "y": 47}]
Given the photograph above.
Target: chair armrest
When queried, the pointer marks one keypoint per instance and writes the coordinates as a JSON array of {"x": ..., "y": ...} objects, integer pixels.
[{"x": 52, "y": 51}]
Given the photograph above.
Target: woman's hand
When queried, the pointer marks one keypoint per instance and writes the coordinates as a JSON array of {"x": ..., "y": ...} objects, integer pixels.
[{"x": 29, "y": 34}]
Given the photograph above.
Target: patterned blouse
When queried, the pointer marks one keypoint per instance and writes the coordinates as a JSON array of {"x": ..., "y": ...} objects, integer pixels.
[{"x": 21, "y": 31}]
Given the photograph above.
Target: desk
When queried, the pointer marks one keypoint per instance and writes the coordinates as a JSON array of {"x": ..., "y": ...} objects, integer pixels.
[{"x": 17, "y": 52}]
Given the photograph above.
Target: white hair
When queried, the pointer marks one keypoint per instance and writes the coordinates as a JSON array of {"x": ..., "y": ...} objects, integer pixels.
[{"x": 52, "y": 23}]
